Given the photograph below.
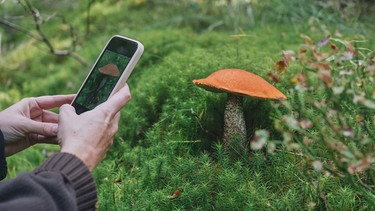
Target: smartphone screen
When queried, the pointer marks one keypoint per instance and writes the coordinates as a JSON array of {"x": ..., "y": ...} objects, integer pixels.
[{"x": 105, "y": 74}]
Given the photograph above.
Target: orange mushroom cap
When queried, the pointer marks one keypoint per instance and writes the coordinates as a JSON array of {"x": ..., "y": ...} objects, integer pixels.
[
  {"x": 110, "y": 69},
  {"x": 239, "y": 82}
]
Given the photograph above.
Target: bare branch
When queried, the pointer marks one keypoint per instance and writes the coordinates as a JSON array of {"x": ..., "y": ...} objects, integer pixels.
[
  {"x": 40, "y": 35},
  {"x": 38, "y": 20},
  {"x": 20, "y": 29}
]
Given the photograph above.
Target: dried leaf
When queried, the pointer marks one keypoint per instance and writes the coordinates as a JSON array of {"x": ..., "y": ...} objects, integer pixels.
[
  {"x": 288, "y": 56},
  {"x": 320, "y": 56},
  {"x": 176, "y": 193},
  {"x": 302, "y": 56},
  {"x": 349, "y": 47},
  {"x": 260, "y": 139},
  {"x": 352, "y": 169},
  {"x": 322, "y": 196},
  {"x": 333, "y": 46},
  {"x": 325, "y": 76},
  {"x": 307, "y": 141},
  {"x": 371, "y": 69},
  {"x": 337, "y": 33},
  {"x": 372, "y": 60},
  {"x": 307, "y": 39},
  {"x": 274, "y": 77},
  {"x": 302, "y": 51},
  {"x": 311, "y": 204},
  {"x": 299, "y": 79},
  {"x": 359, "y": 118},
  {"x": 321, "y": 65},
  {"x": 218, "y": 169},
  {"x": 281, "y": 66},
  {"x": 323, "y": 42},
  {"x": 359, "y": 99},
  {"x": 361, "y": 165}
]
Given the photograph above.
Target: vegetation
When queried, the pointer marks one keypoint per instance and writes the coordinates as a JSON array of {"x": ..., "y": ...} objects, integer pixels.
[{"x": 313, "y": 151}]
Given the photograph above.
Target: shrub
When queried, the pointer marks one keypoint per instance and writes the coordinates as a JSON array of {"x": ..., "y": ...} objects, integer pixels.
[{"x": 330, "y": 115}]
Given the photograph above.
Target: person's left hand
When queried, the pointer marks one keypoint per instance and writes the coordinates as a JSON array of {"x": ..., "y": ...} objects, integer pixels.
[{"x": 29, "y": 122}]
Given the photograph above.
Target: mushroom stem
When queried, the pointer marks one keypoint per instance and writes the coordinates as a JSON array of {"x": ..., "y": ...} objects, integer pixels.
[{"x": 234, "y": 136}]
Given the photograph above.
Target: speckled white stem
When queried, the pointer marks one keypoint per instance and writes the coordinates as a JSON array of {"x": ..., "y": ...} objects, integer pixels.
[{"x": 234, "y": 123}]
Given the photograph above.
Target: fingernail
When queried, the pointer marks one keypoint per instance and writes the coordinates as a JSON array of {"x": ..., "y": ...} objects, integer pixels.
[{"x": 55, "y": 129}]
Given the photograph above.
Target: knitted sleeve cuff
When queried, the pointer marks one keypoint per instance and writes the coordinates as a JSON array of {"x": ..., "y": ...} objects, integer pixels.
[{"x": 77, "y": 174}]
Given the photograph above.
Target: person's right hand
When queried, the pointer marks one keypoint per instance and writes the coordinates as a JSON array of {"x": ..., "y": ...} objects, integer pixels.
[{"x": 90, "y": 134}]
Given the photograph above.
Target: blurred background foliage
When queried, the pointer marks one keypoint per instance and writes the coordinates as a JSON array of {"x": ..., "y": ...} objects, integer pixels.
[{"x": 167, "y": 154}]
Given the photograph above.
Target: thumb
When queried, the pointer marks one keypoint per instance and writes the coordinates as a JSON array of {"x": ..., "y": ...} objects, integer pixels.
[
  {"x": 117, "y": 101},
  {"x": 66, "y": 111}
]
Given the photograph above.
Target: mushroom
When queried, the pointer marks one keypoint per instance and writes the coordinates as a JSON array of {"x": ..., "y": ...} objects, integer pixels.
[
  {"x": 102, "y": 78},
  {"x": 110, "y": 69},
  {"x": 237, "y": 83}
]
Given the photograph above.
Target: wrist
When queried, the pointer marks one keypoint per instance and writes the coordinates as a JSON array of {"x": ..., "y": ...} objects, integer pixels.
[
  {"x": 82, "y": 155},
  {"x": 76, "y": 173}
]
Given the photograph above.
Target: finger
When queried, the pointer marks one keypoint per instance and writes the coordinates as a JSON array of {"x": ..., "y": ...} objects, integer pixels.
[
  {"x": 117, "y": 117},
  {"x": 47, "y": 140},
  {"x": 47, "y": 125},
  {"x": 114, "y": 124},
  {"x": 49, "y": 116},
  {"x": 114, "y": 104},
  {"x": 37, "y": 139},
  {"x": 48, "y": 102},
  {"x": 41, "y": 128}
]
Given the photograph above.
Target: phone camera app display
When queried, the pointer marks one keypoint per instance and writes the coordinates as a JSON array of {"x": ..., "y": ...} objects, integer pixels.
[{"x": 101, "y": 81}]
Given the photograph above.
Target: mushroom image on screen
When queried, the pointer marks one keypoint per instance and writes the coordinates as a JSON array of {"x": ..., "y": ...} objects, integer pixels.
[
  {"x": 110, "y": 69},
  {"x": 237, "y": 84},
  {"x": 102, "y": 79}
]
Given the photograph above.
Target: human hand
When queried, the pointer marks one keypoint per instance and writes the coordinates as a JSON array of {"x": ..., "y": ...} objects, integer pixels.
[
  {"x": 90, "y": 134},
  {"x": 29, "y": 122}
]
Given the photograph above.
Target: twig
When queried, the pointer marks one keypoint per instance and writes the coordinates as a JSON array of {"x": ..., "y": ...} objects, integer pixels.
[
  {"x": 88, "y": 20},
  {"x": 40, "y": 36},
  {"x": 20, "y": 29}
]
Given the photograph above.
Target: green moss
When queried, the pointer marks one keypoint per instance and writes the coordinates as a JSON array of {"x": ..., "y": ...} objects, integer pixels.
[{"x": 169, "y": 134}]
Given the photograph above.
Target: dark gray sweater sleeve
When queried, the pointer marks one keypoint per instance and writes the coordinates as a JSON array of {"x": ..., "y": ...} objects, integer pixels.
[
  {"x": 3, "y": 162},
  {"x": 62, "y": 182}
]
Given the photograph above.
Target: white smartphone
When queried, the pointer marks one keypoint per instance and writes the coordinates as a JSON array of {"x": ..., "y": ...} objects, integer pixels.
[{"x": 109, "y": 73}]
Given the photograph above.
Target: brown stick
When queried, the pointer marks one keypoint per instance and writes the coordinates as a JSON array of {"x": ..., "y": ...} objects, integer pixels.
[{"x": 40, "y": 36}]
